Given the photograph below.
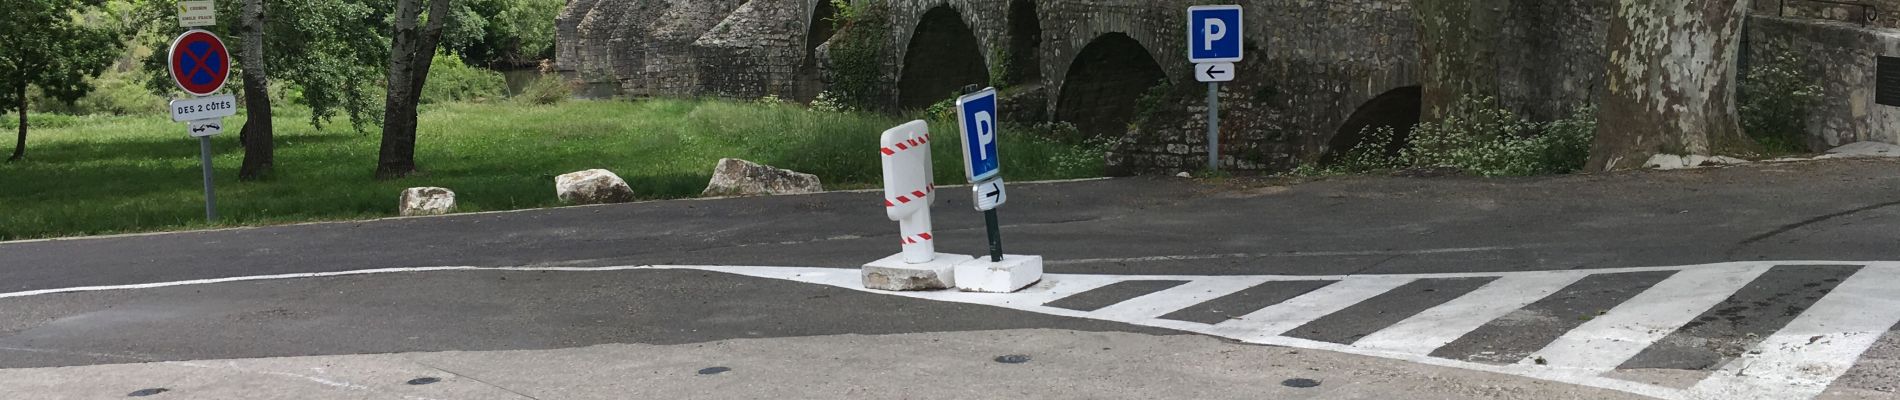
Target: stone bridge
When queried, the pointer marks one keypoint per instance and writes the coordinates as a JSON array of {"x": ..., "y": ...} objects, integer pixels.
[{"x": 1317, "y": 71}]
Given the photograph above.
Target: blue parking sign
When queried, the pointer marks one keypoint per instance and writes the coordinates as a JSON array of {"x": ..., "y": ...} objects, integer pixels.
[
  {"x": 1214, "y": 34},
  {"x": 976, "y": 115}
]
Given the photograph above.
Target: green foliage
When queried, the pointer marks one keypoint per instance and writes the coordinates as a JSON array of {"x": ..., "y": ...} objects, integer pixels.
[
  {"x": 333, "y": 54},
  {"x": 50, "y": 45},
  {"x": 1152, "y": 100},
  {"x": 500, "y": 33},
  {"x": 450, "y": 80},
  {"x": 829, "y": 102},
  {"x": 846, "y": 12},
  {"x": 1476, "y": 138},
  {"x": 114, "y": 93},
  {"x": 1775, "y": 104},
  {"x": 857, "y": 54},
  {"x": 549, "y": 89},
  {"x": 496, "y": 156}
]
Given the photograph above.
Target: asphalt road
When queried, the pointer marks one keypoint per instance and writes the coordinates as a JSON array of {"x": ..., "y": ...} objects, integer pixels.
[{"x": 1405, "y": 232}]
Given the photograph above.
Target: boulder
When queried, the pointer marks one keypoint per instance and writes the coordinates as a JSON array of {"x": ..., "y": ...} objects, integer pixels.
[
  {"x": 735, "y": 177},
  {"x": 427, "y": 201},
  {"x": 594, "y": 186},
  {"x": 1726, "y": 160}
]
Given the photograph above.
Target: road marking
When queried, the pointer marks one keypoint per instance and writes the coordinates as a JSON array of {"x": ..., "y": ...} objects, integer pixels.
[
  {"x": 1797, "y": 362},
  {"x": 1192, "y": 257},
  {"x": 1440, "y": 325},
  {"x": 1626, "y": 330},
  {"x": 1610, "y": 339},
  {"x": 1279, "y": 318},
  {"x": 1820, "y": 345},
  {"x": 1154, "y": 305}
]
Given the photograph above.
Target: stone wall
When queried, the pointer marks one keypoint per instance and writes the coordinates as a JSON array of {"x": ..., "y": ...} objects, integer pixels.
[
  {"x": 1316, "y": 73},
  {"x": 1841, "y": 58},
  {"x": 1880, "y": 14}
]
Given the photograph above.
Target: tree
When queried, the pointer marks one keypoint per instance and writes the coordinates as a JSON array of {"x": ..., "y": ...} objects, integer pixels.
[
  {"x": 1458, "y": 42},
  {"x": 411, "y": 50},
  {"x": 259, "y": 143},
  {"x": 42, "y": 45},
  {"x": 1671, "y": 81}
]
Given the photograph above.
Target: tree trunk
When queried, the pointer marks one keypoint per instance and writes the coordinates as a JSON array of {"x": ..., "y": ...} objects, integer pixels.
[
  {"x": 1458, "y": 41},
  {"x": 411, "y": 51},
  {"x": 259, "y": 141},
  {"x": 19, "y": 145},
  {"x": 1670, "y": 87}
]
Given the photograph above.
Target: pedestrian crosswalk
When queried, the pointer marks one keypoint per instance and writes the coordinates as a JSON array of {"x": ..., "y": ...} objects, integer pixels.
[{"x": 1823, "y": 317}]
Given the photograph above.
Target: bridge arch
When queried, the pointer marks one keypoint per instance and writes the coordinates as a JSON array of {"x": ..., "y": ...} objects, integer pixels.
[
  {"x": 1025, "y": 43},
  {"x": 1399, "y": 109},
  {"x": 942, "y": 56},
  {"x": 1104, "y": 83}
]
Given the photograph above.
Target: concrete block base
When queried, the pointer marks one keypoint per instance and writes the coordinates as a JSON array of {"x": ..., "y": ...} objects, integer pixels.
[
  {"x": 893, "y": 274},
  {"x": 1014, "y": 273}
]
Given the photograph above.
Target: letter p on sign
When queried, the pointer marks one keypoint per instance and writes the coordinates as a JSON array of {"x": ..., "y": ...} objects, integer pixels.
[{"x": 1215, "y": 34}]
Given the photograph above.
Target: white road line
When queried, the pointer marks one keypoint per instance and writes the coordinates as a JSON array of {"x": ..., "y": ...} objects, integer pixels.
[
  {"x": 1803, "y": 358},
  {"x": 1610, "y": 339},
  {"x": 1154, "y": 305},
  {"x": 1279, "y": 318},
  {"x": 1190, "y": 257},
  {"x": 1440, "y": 325}
]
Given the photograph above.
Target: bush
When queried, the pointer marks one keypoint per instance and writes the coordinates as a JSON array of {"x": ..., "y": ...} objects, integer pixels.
[
  {"x": 450, "y": 80},
  {"x": 549, "y": 89},
  {"x": 114, "y": 92},
  {"x": 1775, "y": 101},
  {"x": 857, "y": 54},
  {"x": 1478, "y": 139}
]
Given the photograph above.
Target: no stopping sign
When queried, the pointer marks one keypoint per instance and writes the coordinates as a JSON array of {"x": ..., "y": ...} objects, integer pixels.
[{"x": 199, "y": 63}]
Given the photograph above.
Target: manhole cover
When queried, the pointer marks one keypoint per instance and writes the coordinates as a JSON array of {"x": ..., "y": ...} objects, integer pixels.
[
  {"x": 424, "y": 380},
  {"x": 714, "y": 371},
  {"x": 1013, "y": 359}
]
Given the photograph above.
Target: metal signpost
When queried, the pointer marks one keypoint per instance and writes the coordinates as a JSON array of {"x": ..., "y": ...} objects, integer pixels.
[
  {"x": 1214, "y": 45},
  {"x": 200, "y": 64},
  {"x": 976, "y": 115}
]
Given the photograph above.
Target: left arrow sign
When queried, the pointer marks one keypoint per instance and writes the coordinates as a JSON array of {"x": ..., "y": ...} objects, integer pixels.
[{"x": 1214, "y": 72}]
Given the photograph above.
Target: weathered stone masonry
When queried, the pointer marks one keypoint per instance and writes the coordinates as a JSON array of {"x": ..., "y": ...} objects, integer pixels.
[{"x": 1317, "y": 71}]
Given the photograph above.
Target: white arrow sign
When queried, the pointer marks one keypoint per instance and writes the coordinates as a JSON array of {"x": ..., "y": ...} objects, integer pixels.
[
  {"x": 989, "y": 194},
  {"x": 1214, "y": 72}
]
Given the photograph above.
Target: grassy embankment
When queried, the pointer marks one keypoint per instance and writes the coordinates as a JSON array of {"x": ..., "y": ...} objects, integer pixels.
[{"x": 104, "y": 174}]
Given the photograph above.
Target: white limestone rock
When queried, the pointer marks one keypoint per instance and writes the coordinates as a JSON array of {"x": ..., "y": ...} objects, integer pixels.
[
  {"x": 594, "y": 186},
  {"x": 427, "y": 201},
  {"x": 1864, "y": 149},
  {"x": 1665, "y": 162},
  {"x": 736, "y": 177}
]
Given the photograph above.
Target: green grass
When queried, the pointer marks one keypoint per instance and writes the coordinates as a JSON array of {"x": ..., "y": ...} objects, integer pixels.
[{"x": 103, "y": 174}]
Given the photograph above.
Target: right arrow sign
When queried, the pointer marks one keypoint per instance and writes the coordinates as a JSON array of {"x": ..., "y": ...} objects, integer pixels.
[
  {"x": 1214, "y": 72},
  {"x": 990, "y": 194}
]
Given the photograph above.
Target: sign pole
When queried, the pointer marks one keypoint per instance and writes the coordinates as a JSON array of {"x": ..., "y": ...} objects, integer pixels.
[
  {"x": 989, "y": 216},
  {"x": 1213, "y": 126},
  {"x": 199, "y": 64},
  {"x": 211, "y": 199}
]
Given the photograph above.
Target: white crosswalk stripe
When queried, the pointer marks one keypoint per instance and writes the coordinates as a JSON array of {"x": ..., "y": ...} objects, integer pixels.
[
  {"x": 1612, "y": 338},
  {"x": 1427, "y": 331},
  {"x": 1279, "y": 318},
  {"x": 1799, "y": 361}
]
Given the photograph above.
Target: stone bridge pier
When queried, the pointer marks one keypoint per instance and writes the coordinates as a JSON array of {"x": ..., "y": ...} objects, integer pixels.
[{"x": 1316, "y": 74}]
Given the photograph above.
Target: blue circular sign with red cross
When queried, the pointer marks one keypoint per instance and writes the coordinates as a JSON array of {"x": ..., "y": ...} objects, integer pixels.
[{"x": 199, "y": 62}]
